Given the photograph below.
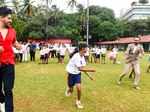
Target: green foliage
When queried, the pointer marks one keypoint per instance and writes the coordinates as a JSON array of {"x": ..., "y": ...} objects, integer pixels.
[
  {"x": 36, "y": 35},
  {"x": 143, "y": 1},
  {"x": 104, "y": 14},
  {"x": 20, "y": 26},
  {"x": 107, "y": 31},
  {"x": 2, "y": 3},
  {"x": 46, "y": 23}
]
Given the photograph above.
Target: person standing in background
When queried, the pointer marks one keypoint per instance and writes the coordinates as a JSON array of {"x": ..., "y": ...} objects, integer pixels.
[
  {"x": 25, "y": 52},
  {"x": 103, "y": 55},
  {"x": 32, "y": 47}
]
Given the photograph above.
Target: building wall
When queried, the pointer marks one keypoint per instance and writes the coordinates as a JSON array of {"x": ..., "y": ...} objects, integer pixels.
[{"x": 137, "y": 12}]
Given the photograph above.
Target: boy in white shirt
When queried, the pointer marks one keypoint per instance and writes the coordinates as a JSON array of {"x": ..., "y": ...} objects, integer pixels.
[
  {"x": 46, "y": 56},
  {"x": 25, "y": 52},
  {"x": 93, "y": 54},
  {"x": 98, "y": 52},
  {"x": 87, "y": 54},
  {"x": 77, "y": 64},
  {"x": 58, "y": 53},
  {"x": 62, "y": 53},
  {"x": 42, "y": 55},
  {"x": 16, "y": 52},
  {"x": 103, "y": 55}
]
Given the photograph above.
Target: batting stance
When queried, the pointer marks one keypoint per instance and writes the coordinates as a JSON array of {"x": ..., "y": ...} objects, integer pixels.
[
  {"x": 132, "y": 54},
  {"x": 77, "y": 64}
]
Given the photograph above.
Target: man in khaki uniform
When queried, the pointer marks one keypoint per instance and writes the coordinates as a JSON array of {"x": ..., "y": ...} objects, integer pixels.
[{"x": 132, "y": 55}]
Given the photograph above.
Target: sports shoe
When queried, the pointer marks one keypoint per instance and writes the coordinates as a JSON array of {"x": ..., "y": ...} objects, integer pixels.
[
  {"x": 118, "y": 82},
  {"x": 137, "y": 87},
  {"x": 67, "y": 93},
  {"x": 2, "y": 107},
  {"x": 79, "y": 105}
]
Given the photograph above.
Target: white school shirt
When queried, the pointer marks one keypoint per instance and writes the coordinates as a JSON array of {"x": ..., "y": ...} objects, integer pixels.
[
  {"x": 21, "y": 50},
  {"x": 15, "y": 50},
  {"x": 87, "y": 52},
  {"x": 47, "y": 50},
  {"x": 42, "y": 52},
  {"x": 62, "y": 51},
  {"x": 115, "y": 50},
  {"x": 103, "y": 50},
  {"x": 70, "y": 50},
  {"x": 98, "y": 51},
  {"x": 57, "y": 49},
  {"x": 25, "y": 48},
  {"x": 74, "y": 63},
  {"x": 93, "y": 50}
]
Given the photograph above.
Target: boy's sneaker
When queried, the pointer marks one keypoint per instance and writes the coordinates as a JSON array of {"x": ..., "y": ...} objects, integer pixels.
[
  {"x": 67, "y": 93},
  {"x": 118, "y": 82},
  {"x": 79, "y": 105},
  {"x": 2, "y": 107}
]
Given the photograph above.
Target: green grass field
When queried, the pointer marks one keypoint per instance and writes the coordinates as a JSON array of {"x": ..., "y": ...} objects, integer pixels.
[{"x": 40, "y": 88}]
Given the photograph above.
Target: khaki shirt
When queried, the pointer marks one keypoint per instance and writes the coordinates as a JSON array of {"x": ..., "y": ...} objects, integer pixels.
[{"x": 133, "y": 53}]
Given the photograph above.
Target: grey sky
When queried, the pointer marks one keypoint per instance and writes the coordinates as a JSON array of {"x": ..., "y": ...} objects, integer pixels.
[{"x": 116, "y": 5}]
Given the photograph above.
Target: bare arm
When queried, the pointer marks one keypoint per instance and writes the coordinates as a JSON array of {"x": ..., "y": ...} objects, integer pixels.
[{"x": 85, "y": 69}]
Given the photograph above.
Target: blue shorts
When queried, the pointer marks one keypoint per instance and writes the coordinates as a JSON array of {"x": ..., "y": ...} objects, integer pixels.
[{"x": 74, "y": 79}]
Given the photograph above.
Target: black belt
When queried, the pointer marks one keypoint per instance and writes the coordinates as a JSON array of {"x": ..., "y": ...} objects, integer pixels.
[{"x": 4, "y": 64}]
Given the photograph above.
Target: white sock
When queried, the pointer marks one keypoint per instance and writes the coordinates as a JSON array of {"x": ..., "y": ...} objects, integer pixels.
[{"x": 2, "y": 107}]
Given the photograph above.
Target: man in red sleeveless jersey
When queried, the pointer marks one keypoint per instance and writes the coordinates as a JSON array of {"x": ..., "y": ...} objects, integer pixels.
[{"x": 7, "y": 70}]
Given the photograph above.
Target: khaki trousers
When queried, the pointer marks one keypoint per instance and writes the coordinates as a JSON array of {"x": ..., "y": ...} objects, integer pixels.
[{"x": 136, "y": 66}]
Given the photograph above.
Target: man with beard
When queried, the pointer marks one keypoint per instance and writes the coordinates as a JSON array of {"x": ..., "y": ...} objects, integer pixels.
[{"x": 7, "y": 69}]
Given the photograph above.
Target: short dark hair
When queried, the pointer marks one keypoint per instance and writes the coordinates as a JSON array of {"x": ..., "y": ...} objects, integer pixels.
[
  {"x": 81, "y": 46},
  {"x": 4, "y": 11}
]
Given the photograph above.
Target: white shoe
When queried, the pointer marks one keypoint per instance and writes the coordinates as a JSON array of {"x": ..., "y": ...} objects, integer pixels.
[
  {"x": 79, "y": 105},
  {"x": 2, "y": 107},
  {"x": 118, "y": 82},
  {"x": 67, "y": 93},
  {"x": 137, "y": 87}
]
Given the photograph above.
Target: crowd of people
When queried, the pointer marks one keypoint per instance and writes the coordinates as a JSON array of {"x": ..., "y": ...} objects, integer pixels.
[{"x": 60, "y": 51}]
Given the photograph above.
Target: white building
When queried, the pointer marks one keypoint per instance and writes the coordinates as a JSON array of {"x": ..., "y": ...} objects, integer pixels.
[{"x": 137, "y": 11}]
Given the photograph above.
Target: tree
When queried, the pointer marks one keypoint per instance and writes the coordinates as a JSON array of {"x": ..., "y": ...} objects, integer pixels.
[
  {"x": 20, "y": 26},
  {"x": 80, "y": 8},
  {"x": 16, "y": 5},
  {"x": 104, "y": 14},
  {"x": 27, "y": 8},
  {"x": 2, "y": 2},
  {"x": 138, "y": 27},
  {"x": 48, "y": 2},
  {"x": 72, "y": 3},
  {"x": 143, "y": 1}
]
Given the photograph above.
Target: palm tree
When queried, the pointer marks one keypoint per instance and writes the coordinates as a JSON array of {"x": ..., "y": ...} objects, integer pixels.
[
  {"x": 72, "y": 3},
  {"x": 16, "y": 5},
  {"x": 28, "y": 7},
  {"x": 48, "y": 2}
]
